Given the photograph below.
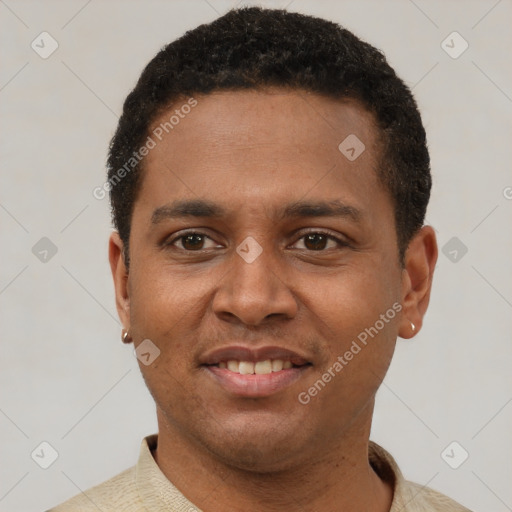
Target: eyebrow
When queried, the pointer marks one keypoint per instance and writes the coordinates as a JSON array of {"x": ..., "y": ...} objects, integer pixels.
[
  {"x": 187, "y": 208},
  {"x": 335, "y": 208},
  {"x": 299, "y": 209}
]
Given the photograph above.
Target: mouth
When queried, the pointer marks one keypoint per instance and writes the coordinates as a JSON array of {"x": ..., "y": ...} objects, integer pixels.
[
  {"x": 255, "y": 373},
  {"x": 257, "y": 368}
]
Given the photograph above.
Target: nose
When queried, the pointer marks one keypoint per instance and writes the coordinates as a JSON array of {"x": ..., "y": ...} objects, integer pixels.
[{"x": 253, "y": 292}]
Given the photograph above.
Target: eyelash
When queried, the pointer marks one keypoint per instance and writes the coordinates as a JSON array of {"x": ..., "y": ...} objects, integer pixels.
[{"x": 341, "y": 243}]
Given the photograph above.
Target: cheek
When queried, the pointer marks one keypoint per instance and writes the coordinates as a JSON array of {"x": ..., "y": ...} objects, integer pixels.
[
  {"x": 359, "y": 324},
  {"x": 167, "y": 313},
  {"x": 346, "y": 304},
  {"x": 357, "y": 313},
  {"x": 163, "y": 300},
  {"x": 167, "y": 310}
]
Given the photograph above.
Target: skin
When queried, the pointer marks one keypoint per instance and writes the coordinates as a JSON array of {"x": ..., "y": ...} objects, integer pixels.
[{"x": 253, "y": 152}]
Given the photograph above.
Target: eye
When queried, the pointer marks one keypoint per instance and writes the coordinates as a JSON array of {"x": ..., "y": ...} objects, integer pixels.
[
  {"x": 319, "y": 241},
  {"x": 193, "y": 241},
  {"x": 312, "y": 241}
]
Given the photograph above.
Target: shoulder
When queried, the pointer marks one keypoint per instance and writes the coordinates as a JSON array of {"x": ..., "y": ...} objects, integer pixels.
[
  {"x": 408, "y": 496},
  {"x": 424, "y": 499},
  {"x": 118, "y": 493}
]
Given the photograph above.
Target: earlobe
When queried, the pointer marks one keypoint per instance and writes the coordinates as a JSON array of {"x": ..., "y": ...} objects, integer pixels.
[
  {"x": 417, "y": 275},
  {"x": 120, "y": 276}
]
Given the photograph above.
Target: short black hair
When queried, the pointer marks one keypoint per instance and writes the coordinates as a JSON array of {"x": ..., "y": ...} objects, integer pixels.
[{"x": 255, "y": 48}]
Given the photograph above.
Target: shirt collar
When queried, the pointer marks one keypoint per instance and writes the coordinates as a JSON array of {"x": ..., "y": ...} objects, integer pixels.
[{"x": 158, "y": 493}]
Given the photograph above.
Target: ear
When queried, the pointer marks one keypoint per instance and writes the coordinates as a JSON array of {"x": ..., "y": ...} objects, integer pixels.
[
  {"x": 417, "y": 275},
  {"x": 120, "y": 275}
]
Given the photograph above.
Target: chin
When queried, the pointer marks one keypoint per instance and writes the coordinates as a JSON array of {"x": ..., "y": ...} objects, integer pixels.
[{"x": 268, "y": 448}]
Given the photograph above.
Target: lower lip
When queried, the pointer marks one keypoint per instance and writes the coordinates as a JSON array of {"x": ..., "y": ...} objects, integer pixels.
[{"x": 256, "y": 386}]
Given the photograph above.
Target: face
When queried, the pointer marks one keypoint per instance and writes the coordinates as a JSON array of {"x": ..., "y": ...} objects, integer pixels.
[{"x": 259, "y": 256}]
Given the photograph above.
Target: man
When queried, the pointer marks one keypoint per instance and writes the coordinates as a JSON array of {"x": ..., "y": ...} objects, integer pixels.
[{"x": 269, "y": 179}]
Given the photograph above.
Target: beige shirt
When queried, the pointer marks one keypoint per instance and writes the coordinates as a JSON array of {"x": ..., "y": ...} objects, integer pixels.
[{"x": 144, "y": 488}]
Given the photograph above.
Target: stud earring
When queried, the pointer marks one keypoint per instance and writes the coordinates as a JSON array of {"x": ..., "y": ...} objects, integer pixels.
[
  {"x": 125, "y": 336},
  {"x": 413, "y": 327}
]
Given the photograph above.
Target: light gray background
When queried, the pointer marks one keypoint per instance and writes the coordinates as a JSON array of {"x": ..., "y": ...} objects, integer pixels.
[{"x": 65, "y": 376}]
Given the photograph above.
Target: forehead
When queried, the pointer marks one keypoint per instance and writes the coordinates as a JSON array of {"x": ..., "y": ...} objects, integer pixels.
[
  {"x": 274, "y": 116},
  {"x": 249, "y": 148}
]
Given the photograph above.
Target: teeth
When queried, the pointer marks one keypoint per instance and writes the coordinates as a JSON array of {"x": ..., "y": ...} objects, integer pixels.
[
  {"x": 233, "y": 366},
  {"x": 259, "y": 368},
  {"x": 246, "y": 368},
  {"x": 263, "y": 367},
  {"x": 277, "y": 365}
]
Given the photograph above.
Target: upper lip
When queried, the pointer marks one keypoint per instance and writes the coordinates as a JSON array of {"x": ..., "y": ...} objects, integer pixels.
[{"x": 254, "y": 354}]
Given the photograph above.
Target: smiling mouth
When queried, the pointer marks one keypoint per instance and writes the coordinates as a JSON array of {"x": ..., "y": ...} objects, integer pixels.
[
  {"x": 257, "y": 368},
  {"x": 254, "y": 372}
]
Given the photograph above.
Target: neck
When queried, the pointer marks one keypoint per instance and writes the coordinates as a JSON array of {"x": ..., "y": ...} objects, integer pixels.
[{"x": 338, "y": 479}]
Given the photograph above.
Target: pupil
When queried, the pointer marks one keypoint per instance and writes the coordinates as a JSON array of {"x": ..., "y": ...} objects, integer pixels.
[
  {"x": 315, "y": 241},
  {"x": 193, "y": 241}
]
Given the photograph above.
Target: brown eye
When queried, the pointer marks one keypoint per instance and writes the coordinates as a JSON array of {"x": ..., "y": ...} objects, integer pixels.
[
  {"x": 315, "y": 241},
  {"x": 192, "y": 242},
  {"x": 320, "y": 241}
]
